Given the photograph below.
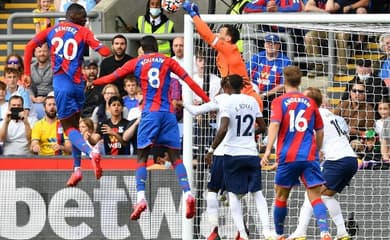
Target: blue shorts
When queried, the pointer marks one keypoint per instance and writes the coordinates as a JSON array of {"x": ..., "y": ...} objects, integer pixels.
[
  {"x": 288, "y": 174},
  {"x": 339, "y": 173},
  {"x": 158, "y": 128},
  {"x": 69, "y": 96},
  {"x": 242, "y": 174},
  {"x": 215, "y": 179}
]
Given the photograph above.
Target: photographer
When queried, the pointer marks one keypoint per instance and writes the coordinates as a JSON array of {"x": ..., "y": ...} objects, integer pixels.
[{"x": 15, "y": 130}]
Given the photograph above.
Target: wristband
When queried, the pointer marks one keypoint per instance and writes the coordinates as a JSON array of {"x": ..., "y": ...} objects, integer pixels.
[{"x": 210, "y": 150}]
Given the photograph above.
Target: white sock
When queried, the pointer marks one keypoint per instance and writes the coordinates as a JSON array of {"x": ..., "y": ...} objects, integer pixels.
[
  {"x": 77, "y": 169},
  {"x": 140, "y": 196},
  {"x": 304, "y": 216},
  {"x": 262, "y": 209},
  {"x": 335, "y": 213},
  {"x": 186, "y": 194},
  {"x": 236, "y": 211},
  {"x": 212, "y": 209}
]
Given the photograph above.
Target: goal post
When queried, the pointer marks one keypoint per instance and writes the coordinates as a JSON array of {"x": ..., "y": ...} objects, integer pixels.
[{"x": 369, "y": 207}]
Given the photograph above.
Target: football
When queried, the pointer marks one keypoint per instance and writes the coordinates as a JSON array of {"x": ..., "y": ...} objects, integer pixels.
[{"x": 171, "y": 6}]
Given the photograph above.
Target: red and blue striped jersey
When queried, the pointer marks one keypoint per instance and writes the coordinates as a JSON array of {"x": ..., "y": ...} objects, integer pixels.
[
  {"x": 153, "y": 72},
  {"x": 67, "y": 43},
  {"x": 298, "y": 117}
]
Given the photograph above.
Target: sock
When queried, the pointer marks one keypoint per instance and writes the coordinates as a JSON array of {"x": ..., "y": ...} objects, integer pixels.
[
  {"x": 320, "y": 214},
  {"x": 212, "y": 210},
  {"x": 140, "y": 196},
  {"x": 78, "y": 141},
  {"x": 280, "y": 213},
  {"x": 140, "y": 176},
  {"x": 181, "y": 175},
  {"x": 76, "y": 154},
  {"x": 236, "y": 211},
  {"x": 304, "y": 216},
  {"x": 335, "y": 213},
  {"x": 262, "y": 209}
]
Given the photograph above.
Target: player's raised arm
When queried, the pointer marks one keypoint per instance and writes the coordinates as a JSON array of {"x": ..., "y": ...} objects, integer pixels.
[
  {"x": 121, "y": 72},
  {"x": 39, "y": 39}
]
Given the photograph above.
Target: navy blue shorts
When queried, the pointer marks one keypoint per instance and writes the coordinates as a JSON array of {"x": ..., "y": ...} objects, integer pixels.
[
  {"x": 339, "y": 173},
  {"x": 215, "y": 178},
  {"x": 242, "y": 174}
]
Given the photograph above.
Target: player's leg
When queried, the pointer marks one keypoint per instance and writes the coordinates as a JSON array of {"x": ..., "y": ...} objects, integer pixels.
[
  {"x": 182, "y": 177},
  {"x": 337, "y": 174},
  {"x": 280, "y": 208},
  {"x": 255, "y": 188},
  {"x": 214, "y": 185},
  {"x": 76, "y": 175},
  {"x": 313, "y": 180},
  {"x": 305, "y": 214},
  {"x": 141, "y": 175}
]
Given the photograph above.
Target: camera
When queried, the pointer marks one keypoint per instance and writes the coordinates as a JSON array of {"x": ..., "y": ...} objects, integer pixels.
[{"x": 15, "y": 113}]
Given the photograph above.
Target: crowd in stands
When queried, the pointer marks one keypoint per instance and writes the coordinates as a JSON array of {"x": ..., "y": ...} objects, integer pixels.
[{"x": 111, "y": 113}]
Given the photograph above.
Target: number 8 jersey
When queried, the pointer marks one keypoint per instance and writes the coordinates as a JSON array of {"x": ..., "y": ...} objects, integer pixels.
[{"x": 299, "y": 117}]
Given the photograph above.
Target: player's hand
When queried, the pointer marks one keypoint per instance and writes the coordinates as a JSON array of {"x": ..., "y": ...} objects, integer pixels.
[
  {"x": 265, "y": 159},
  {"x": 26, "y": 80},
  {"x": 191, "y": 8},
  {"x": 209, "y": 158}
]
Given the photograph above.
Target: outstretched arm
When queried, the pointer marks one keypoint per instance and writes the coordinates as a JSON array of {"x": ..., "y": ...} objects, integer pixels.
[{"x": 127, "y": 68}]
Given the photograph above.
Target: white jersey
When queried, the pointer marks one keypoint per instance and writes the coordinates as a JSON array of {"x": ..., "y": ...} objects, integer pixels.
[
  {"x": 213, "y": 105},
  {"x": 242, "y": 111},
  {"x": 336, "y": 144}
]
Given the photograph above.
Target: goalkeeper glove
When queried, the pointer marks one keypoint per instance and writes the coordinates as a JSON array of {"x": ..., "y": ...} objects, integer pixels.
[{"x": 191, "y": 8}]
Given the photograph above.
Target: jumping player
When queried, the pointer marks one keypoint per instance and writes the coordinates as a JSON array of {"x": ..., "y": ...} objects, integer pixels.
[
  {"x": 229, "y": 60},
  {"x": 158, "y": 125},
  {"x": 67, "y": 42},
  {"x": 296, "y": 123},
  {"x": 241, "y": 162},
  {"x": 338, "y": 169}
]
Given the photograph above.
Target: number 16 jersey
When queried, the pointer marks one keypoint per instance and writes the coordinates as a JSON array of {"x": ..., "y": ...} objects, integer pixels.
[{"x": 298, "y": 117}]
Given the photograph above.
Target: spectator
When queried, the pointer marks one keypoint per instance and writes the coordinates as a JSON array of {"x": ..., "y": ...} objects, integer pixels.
[
  {"x": 342, "y": 38},
  {"x": 116, "y": 131},
  {"x": 357, "y": 112},
  {"x": 92, "y": 93},
  {"x": 11, "y": 76},
  {"x": 87, "y": 129},
  {"x": 15, "y": 131},
  {"x": 42, "y": 23},
  {"x": 16, "y": 61},
  {"x": 385, "y": 141},
  {"x": 214, "y": 80},
  {"x": 131, "y": 99},
  {"x": 384, "y": 73},
  {"x": 3, "y": 103},
  {"x": 101, "y": 113},
  {"x": 156, "y": 22},
  {"x": 375, "y": 88},
  {"x": 41, "y": 79},
  {"x": 48, "y": 137},
  {"x": 274, "y": 6},
  {"x": 116, "y": 60},
  {"x": 379, "y": 6},
  {"x": 266, "y": 70},
  {"x": 384, "y": 113},
  {"x": 368, "y": 149},
  {"x": 314, "y": 38}
]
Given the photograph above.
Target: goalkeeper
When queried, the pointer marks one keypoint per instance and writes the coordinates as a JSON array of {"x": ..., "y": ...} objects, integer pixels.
[{"x": 229, "y": 60}]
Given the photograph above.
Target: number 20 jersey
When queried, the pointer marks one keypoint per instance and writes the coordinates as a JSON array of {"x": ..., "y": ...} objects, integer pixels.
[
  {"x": 298, "y": 117},
  {"x": 242, "y": 111},
  {"x": 67, "y": 43}
]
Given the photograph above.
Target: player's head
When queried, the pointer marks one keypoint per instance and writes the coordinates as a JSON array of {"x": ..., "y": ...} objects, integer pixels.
[
  {"x": 149, "y": 44},
  {"x": 235, "y": 82},
  {"x": 292, "y": 76},
  {"x": 229, "y": 33},
  {"x": 315, "y": 94},
  {"x": 76, "y": 14}
]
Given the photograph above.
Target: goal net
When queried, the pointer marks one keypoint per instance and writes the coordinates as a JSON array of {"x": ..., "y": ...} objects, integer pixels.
[{"x": 331, "y": 50}]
